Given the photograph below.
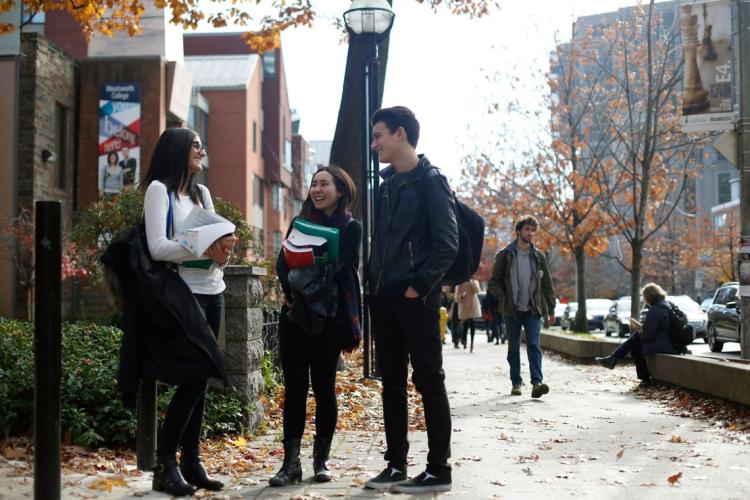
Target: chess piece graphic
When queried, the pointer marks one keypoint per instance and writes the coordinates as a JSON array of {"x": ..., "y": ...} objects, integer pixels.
[
  {"x": 706, "y": 51},
  {"x": 694, "y": 97}
]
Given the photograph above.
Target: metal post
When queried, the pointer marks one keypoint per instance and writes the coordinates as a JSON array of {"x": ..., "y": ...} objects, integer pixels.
[
  {"x": 373, "y": 167},
  {"x": 743, "y": 143},
  {"x": 47, "y": 346},
  {"x": 145, "y": 435},
  {"x": 366, "y": 207}
]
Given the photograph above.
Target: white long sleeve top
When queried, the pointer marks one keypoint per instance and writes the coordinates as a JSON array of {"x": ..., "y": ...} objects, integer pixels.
[{"x": 156, "y": 207}]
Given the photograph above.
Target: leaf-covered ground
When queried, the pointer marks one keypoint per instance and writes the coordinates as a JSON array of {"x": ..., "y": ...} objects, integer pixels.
[{"x": 593, "y": 431}]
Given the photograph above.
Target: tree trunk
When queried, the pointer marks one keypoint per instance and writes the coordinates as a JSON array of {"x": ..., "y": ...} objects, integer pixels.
[
  {"x": 581, "y": 323},
  {"x": 635, "y": 279},
  {"x": 347, "y": 150}
]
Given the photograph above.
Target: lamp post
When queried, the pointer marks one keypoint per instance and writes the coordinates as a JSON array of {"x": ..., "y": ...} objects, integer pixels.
[{"x": 368, "y": 22}]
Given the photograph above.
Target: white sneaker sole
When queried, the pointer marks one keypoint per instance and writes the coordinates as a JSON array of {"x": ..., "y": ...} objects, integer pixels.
[
  {"x": 382, "y": 486},
  {"x": 402, "y": 488}
]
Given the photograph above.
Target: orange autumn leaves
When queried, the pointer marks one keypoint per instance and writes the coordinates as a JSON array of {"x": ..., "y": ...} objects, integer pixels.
[{"x": 268, "y": 18}]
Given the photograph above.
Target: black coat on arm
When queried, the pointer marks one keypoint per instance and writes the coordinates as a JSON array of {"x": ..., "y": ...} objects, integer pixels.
[{"x": 166, "y": 335}]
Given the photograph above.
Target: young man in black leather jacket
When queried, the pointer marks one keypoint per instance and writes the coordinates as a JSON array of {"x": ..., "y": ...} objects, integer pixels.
[{"x": 414, "y": 244}]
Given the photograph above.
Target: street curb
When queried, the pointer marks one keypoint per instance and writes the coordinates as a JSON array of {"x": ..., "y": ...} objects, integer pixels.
[
  {"x": 715, "y": 377},
  {"x": 576, "y": 347}
]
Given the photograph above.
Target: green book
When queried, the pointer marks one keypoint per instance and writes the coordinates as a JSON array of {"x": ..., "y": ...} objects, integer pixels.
[
  {"x": 331, "y": 234},
  {"x": 198, "y": 264}
]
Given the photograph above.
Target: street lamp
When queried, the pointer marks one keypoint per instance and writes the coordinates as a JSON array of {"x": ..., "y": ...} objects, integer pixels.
[{"x": 368, "y": 22}]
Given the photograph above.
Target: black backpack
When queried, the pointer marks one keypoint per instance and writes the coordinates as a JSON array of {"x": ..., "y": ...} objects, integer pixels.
[
  {"x": 681, "y": 334},
  {"x": 470, "y": 241}
]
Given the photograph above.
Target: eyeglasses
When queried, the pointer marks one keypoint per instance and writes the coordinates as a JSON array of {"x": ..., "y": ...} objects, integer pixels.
[{"x": 199, "y": 147}]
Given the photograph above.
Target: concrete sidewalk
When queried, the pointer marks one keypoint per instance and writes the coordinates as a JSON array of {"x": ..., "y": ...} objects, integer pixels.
[{"x": 590, "y": 437}]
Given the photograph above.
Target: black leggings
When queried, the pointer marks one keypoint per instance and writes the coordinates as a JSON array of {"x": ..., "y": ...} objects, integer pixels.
[
  {"x": 633, "y": 346},
  {"x": 306, "y": 358},
  {"x": 182, "y": 423}
]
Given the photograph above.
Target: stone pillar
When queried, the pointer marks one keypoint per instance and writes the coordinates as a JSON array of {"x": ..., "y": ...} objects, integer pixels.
[{"x": 243, "y": 355}]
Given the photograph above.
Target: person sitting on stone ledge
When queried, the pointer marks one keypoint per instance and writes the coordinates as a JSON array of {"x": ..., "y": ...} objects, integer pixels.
[{"x": 652, "y": 337}]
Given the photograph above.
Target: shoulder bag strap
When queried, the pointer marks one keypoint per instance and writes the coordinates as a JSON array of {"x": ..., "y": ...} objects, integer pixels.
[{"x": 170, "y": 217}]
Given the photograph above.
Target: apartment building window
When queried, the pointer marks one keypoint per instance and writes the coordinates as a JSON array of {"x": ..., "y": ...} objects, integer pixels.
[
  {"x": 277, "y": 196},
  {"x": 276, "y": 242},
  {"x": 725, "y": 189},
  {"x": 269, "y": 65},
  {"x": 61, "y": 146},
  {"x": 288, "y": 155},
  {"x": 255, "y": 136},
  {"x": 258, "y": 194},
  {"x": 720, "y": 220}
]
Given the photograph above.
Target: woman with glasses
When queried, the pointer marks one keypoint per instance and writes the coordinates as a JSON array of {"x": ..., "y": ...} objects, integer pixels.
[{"x": 171, "y": 193}]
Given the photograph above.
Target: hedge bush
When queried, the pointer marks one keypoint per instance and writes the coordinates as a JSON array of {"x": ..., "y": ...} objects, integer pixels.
[{"x": 92, "y": 412}]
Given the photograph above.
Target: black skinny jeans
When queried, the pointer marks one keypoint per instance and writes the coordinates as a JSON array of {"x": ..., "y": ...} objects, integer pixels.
[
  {"x": 182, "y": 423},
  {"x": 633, "y": 346},
  {"x": 306, "y": 358},
  {"x": 408, "y": 329}
]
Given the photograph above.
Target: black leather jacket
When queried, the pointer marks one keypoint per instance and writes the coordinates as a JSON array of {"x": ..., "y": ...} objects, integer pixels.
[{"x": 416, "y": 238}]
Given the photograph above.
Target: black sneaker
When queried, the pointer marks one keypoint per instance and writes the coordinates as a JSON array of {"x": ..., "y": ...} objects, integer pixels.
[
  {"x": 424, "y": 483},
  {"x": 387, "y": 478}
]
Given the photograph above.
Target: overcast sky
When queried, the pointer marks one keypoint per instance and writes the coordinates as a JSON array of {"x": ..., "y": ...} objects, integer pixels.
[{"x": 436, "y": 66}]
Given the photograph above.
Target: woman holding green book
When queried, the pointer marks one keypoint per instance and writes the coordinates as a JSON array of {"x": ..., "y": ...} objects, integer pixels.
[
  {"x": 171, "y": 193},
  {"x": 311, "y": 354}
]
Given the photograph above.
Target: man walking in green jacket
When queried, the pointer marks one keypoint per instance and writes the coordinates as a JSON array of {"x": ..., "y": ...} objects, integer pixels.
[{"x": 522, "y": 285}]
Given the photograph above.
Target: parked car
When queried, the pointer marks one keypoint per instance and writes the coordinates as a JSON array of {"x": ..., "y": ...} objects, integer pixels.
[
  {"x": 596, "y": 311},
  {"x": 569, "y": 315},
  {"x": 559, "y": 312},
  {"x": 724, "y": 317},
  {"x": 706, "y": 303},
  {"x": 696, "y": 317},
  {"x": 618, "y": 318}
]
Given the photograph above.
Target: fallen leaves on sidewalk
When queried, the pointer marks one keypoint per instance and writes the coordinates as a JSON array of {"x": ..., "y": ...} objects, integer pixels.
[
  {"x": 620, "y": 453},
  {"x": 359, "y": 402},
  {"x": 107, "y": 483},
  {"x": 721, "y": 414},
  {"x": 673, "y": 479}
]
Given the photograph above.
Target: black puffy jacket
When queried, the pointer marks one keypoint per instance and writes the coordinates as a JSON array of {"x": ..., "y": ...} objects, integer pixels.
[{"x": 415, "y": 238}]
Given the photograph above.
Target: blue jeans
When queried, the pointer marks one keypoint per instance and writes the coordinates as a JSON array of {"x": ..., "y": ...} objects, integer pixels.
[{"x": 532, "y": 325}]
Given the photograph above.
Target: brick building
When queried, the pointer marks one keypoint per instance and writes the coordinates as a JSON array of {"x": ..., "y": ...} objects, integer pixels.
[{"x": 51, "y": 85}]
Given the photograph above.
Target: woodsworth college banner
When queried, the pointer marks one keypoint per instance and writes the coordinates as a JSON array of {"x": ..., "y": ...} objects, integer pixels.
[{"x": 119, "y": 137}]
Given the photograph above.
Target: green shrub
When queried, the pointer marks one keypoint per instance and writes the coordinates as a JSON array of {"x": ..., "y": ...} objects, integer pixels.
[{"x": 91, "y": 408}]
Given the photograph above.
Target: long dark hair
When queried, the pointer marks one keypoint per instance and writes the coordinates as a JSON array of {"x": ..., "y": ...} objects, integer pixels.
[
  {"x": 110, "y": 154},
  {"x": 344, "y": 185},
  {"x": 169, "y": 162}
]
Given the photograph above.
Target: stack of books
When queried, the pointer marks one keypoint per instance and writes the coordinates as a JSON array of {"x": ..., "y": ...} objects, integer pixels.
[{"x": 309, "y": 244}]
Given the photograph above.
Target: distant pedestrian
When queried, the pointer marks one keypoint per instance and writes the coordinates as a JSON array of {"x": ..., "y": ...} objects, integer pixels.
[
  {"x": 493, "y": 319},
  {"x": 469, "y": 308},
  {"x": 457, "y": 332},
  {"x": 522, "y": 285},
  {"x": 414, "y": 244},
  {"x": 652, "y": 337}
]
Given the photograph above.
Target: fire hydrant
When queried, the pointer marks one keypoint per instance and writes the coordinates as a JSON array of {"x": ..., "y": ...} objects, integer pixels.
[{"x": 443, "y": 323}]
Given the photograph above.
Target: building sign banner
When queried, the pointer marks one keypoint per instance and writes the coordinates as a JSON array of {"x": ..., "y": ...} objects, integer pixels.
[
  {"x": 706, "y": 29},
  {"x": 119, "y": 137}
]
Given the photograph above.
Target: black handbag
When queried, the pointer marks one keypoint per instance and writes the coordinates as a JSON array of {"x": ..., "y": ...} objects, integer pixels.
[{"x": 316, "y": 297}]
